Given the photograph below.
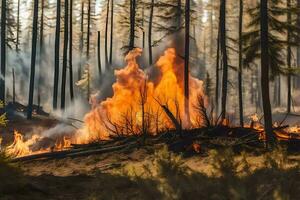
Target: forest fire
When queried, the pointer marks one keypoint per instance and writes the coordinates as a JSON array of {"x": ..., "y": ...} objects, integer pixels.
[
  {"x": 136, "y": 105},
  {"x": 140, "y": 104},
  {"x": 22, "y": 147}
]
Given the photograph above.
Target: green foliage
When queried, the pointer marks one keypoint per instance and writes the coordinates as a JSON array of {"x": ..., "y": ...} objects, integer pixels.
[{"x": 278, "y": 28}]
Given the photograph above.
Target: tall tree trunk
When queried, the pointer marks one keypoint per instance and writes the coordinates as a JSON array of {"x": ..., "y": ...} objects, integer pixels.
[
  {"x": 186, "y": 60},
  {"x": 240, "y": 79},
  {"x": 65, "y": 52},
  {"x": 99, "y": 55},
  {"x": 143, "y": 28},
  {"x": 88, "y": 31},
  {"x": 71, "y": 53},
  {"x": 3, "y": 51},
  {"x": 264, "y": 42},
  {"x": 57, "y": 46},
  {"x": 224, "y": 56},
  {"x": 288, "y": 57},
  {"x": 150, "y": 32},
  {"x": 33, "y": 58},
  {"x": 132, "y": 24},
  {"x": 211, "y": 27},
  {"x": 111, "y": 31},
  {"x": 106, "y": 36},
  {"x": 217, "y": 74},
  {"x": 41, "y": 53},
  {"x": 18, "y": 27},
  {"x": 14, "y": 86},
  {"x": 298, "y": 48},
  {"x": 81, "y": 41}
]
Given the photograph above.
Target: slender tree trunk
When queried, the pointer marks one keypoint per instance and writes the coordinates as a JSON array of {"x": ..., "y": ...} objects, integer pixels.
[
  {"x": 211, "y": 22},
  {"x": 3, "y": 51},
  {"x": 81, "y": 41},
  {"x": 33, "y": 58},
  {"x": 279, "y": 90},
  {"x": 57, "y": 46},
  {"x": 111, "y": 32},
  {"x": 298, "y": 48},
  {"x": 150, "y": 32},
  {"x": 106, "y": 36},
  {"x": 41, "y": 53},
  {"x": 143, "y": 19},
  {"x": 288, "y": 57},
  {"x": 65, "y": 52},
  {"x": 186, "y": 60},
  {"x": 99, "y": 55},
  {"x": 240, "y": 78},
  {"x": 217, "y": 74},
  {"x": 264, "y": 42},
  {"x": 224, "y": 56},
  {"x": 71, "y": 53},
  {"x": 132, "y": 24},
  {"x": 18, "y": 27},
  {"x": 14, "y": 86},
  {"x": 88, "y": 31}
]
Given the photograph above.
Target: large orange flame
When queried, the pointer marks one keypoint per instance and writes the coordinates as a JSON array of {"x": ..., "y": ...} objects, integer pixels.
[
  {"x": 135, "y": 104},
  {"x": 134, "y": 108}
]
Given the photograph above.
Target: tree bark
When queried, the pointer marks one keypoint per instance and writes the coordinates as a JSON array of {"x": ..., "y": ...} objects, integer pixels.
[
  {"x": 81, "y": 41},
  {"x": 150, "y": 32},
  {"x": 288, "y": 57},
  {"x": 132, "y": 24},
  {"x": 264, "y": 42},
  {"x": 65, "y": 52},
  {"x": 71, "y": 53},
  {"x": 14, "y": 86},
  {"x": 217, "y": 74},
  {"x": 57, "y": 47},
  {"x": 240, "y": 72},
  {"x": 88, "y": 31},
  {"x": 41, "y": 52},
  {"x": 143, "y": 28},
  {"x": 99, "y": 55},
  {"x": 106, "y": 36},
  {"x": 224, "y": 57},
  {"x": 3, "y": 52},
  {"x": 298, "y": 48},
  {"x": 186, "y": 61},
  {"x": 33, "y": 58},
  {"x": 111, "y": 32},
  {"x": 18, "y": 27}
]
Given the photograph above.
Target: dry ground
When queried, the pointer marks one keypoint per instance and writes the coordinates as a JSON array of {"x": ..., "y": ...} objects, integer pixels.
[{"x": 151, "y": 173}]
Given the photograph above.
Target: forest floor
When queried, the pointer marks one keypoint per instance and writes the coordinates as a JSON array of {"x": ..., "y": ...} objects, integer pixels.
[{"x": 150, "y": 172}]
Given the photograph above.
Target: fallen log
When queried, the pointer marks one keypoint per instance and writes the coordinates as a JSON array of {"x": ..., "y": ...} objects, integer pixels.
[{"x": 73, "y": 153}]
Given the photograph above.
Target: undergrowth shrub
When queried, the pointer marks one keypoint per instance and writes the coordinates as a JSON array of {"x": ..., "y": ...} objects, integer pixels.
[{"x": 233, "y": 177}]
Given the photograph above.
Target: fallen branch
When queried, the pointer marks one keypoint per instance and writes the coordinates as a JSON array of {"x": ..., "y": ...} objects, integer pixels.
[
  {"x": 170, "y": 116},
  {"x": 74, "y": 153}
]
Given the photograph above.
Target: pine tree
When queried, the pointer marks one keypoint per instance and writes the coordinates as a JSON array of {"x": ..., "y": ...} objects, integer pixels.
[
  {"x": 33, "y": 58},
  {"x": 3, "y": 51},
  {"x": 277, "y": 29},
  {"x": 240, "y": 78},
  {"x": 57, "y": 50},
  {"x": 65, "y": 52}
]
